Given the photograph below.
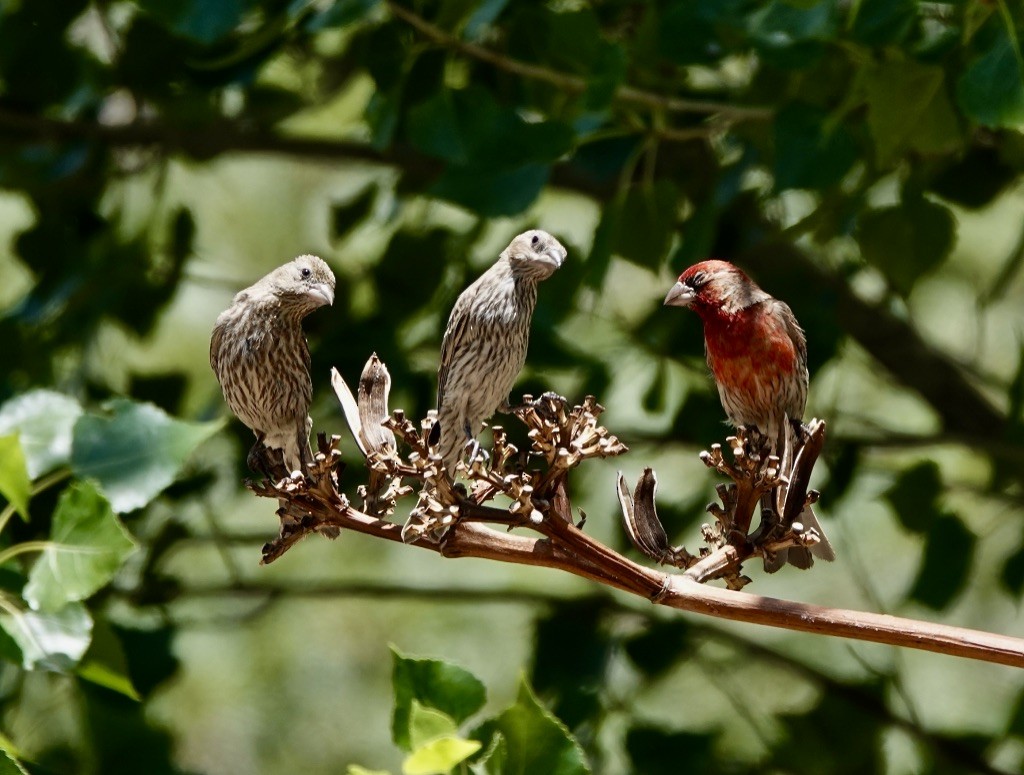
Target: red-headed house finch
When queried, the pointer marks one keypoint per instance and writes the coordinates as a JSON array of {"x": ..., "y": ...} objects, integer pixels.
[
  {"x": 757, "y": 354},
  {"x": 261, "y": 359},
  {"x": 485, "y": 343}
]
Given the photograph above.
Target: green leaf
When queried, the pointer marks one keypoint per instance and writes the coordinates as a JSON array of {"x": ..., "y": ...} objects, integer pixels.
[
  {"x": 134, "y": 450},
  {"x": 89, "y": 546},
  {"x": 532, "y": 740},
  {"x": 649, "y": 216},
  {"x": 991, "y": 90},
  {"x": 789, "y": 35},
  {"x": 688, "y": 31},
  {"x": 947, "y": 563},
  {"x": 105, "y": 663},
  {"x": 808, "y": 154},
  {"x": 909, "y": 110},
  {"x": 493, "y": 194},
  {"x": 50, "y": 641},
  {"x": 434, "y": 684},
  {"x": 915, "y": 494},
  {"x": 346, "y": 215},
  {"x": 1012, "y": 575},
  {"x": 427, "y": 724},
  {"x": 355, "y": 769},
  {"x": 907, "y": 241},
  {"x": 656, "y": 751},
  {"x": 878, "y": 22},
  {"x": 439, "y": 756},
  {"x": 10, "y": 764},
  {"x": 660, "y": 647},
  {"x": 434, "y": 129},
  {"x": 15, "y": 484},
  {"x": 198, "y": 20},
  {"x": 44, "y": 420}
]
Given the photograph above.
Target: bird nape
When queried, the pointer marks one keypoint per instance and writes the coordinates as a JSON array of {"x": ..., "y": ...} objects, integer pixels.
[
  {"x": 261, "y": 360},
  {"x": 486, "y": 340},
  {"x": 757, "y": 354}
]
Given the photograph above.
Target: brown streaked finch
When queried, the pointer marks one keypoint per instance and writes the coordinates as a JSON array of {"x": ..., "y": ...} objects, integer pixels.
[
  {"x": 261, "y": 359},
  {"x": 757, "y": 354},
  {"x": 485, "y": 343}
]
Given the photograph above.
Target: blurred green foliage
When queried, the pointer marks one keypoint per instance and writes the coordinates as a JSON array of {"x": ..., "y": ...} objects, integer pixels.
[{"x": 862, "y": 160}]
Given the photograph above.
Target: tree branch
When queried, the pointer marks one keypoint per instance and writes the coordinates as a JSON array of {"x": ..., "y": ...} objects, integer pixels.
[
  {"x": 564, "y": 438},
  {"x": 573, "y": 83},
  {"x": 588, "y": 558}
]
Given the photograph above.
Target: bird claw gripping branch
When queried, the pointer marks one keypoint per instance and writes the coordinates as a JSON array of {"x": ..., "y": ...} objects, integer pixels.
[
  {"x": 561, "y": 435},
  {"x": 305, "y": 498}
]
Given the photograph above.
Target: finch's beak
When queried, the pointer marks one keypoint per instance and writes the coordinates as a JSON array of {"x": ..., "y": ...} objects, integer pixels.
[
  {"x": 322, "y": 294},
  {"x": 556, "y": 256},
  {"x": 679, "y": 296}
]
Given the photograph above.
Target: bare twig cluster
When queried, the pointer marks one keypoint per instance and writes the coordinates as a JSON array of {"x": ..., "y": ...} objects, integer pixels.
[
  {"x": 457, "y": 520},
  {"x": 756, "y": 476}
]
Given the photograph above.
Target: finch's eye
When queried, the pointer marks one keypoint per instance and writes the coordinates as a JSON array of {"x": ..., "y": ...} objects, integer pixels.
[
  {"x": 306, "y": 271},
  {"x": 698, "y": 280},
  {"x": 535, "y": 240}
]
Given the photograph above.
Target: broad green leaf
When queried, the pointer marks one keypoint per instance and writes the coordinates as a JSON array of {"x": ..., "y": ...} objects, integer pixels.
[
  {"x": 345, "y": 216},
  {"x": 198, "y": 20},
  {"x": 808, "y": 153},
  {"x": 991, "y": 90},
  {"x": 661, "y": 646},
  {"x": 605, "y": 76},
  {"x": 654, "y": 751},
  {"x": 648, "y": 219},
  {"x": 1012, "y": 574},
  {"x": 909, "y": 110},
  {"x": 11, "y": 766},
  {"x": 790, "y": 35},
  {"x": 10, "y": 651},
  {"x": 134, "y": 451},
  {"x": 105, "y": 664},
  {"x": 439, "y": 756},
  {"x": 914, "y": 496},
  {"x": 426, "y": 724},
  {"x": 44, "y": 420},
  {"x": 493, "y": 194},
  {"x": 877, "y": 22},
  {"x": 50, "y": 641},
  {"x": 434, "y": 684},
  {"x": 10, "y": 763},
  {"x": 533, "y": 740},
  {"x": 89, "y": 545},
  {"x": 15, "y": 484},
  {"x": 907, "y": 241},
  {"x": 434, "y": 129},
  {"x": 947, "y": 562},
  {"x": 688, "y": 32}
]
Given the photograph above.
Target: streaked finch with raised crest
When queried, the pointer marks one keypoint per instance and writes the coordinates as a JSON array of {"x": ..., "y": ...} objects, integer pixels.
[
  {"x": 757, "y": 353},
  {"x": 485, "y": 343},
  {"x": 261, "y": 359}
]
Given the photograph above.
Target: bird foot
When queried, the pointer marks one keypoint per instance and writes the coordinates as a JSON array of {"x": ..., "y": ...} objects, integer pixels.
[{"x": 474, "y": 450}]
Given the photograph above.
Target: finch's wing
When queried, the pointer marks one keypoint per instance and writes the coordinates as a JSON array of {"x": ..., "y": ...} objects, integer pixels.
[
  {"x": 455, "y": 334},
  {"x": 215, "y": 342},
  {"x": 797, "y": 403},
  {"x": 793, "y": 329}
]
